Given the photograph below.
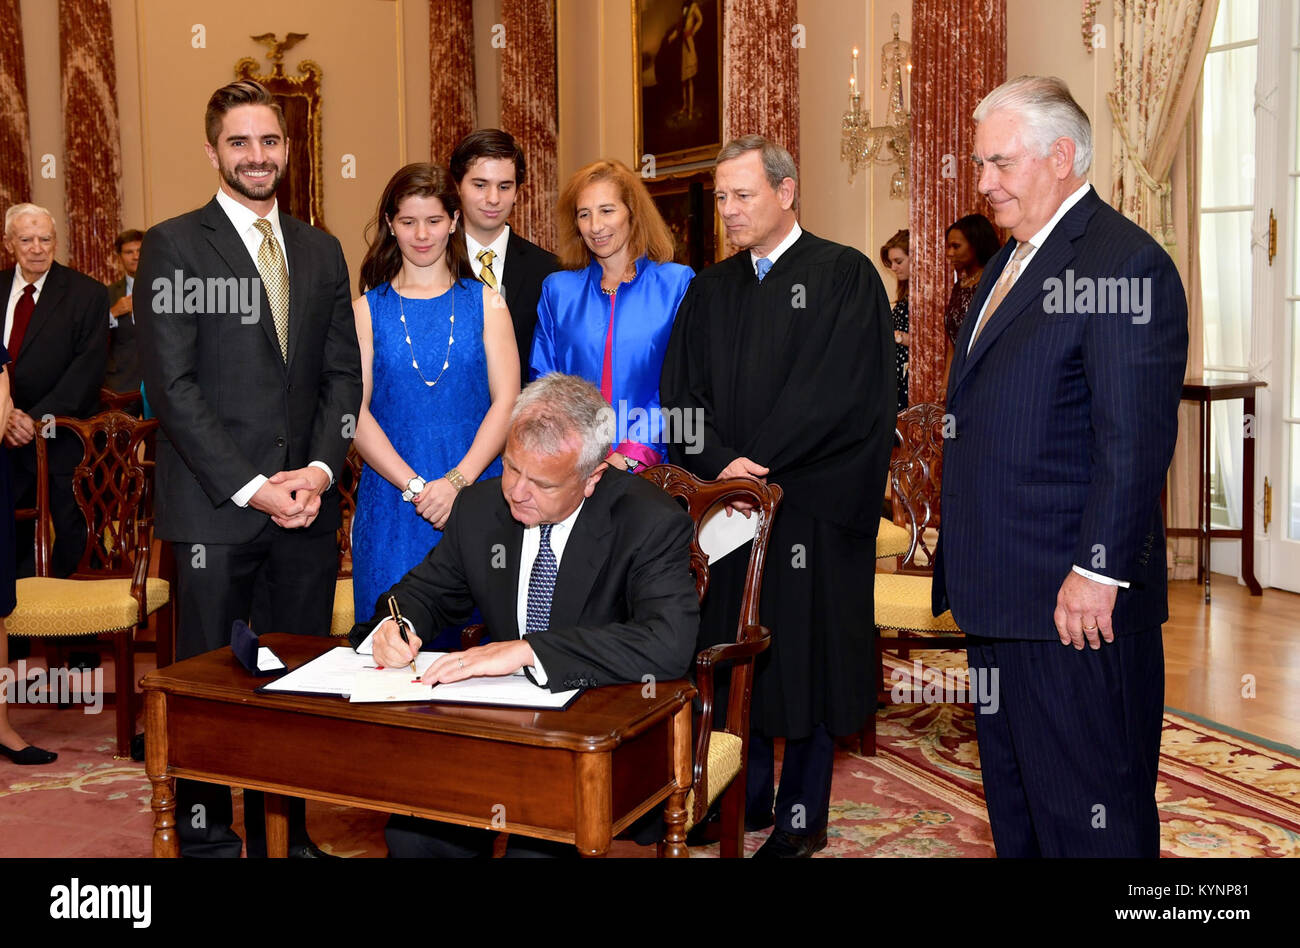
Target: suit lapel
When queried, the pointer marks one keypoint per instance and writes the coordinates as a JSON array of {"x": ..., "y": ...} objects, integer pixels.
[
  {"x": 585, "y": 554},
  {"x": 1027, "y": 294},
  {"x": 299, "y": 282},
  {"x": 55, "y": 288},
  {"x": 503, "y": 584},
  {"x": 228, "y": 244},
  {"x": 516, "y": 261}
]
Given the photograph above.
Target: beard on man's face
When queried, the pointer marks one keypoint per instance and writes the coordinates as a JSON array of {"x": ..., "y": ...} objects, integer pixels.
[{"x": 254, "y": 192}]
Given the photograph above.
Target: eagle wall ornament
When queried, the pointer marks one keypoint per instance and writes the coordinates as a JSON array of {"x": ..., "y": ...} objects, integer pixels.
[{"x": 300, "y": 98}]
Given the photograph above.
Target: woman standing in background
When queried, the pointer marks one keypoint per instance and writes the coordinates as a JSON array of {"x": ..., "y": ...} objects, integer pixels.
[
  {"x": 607, "y": 316},
  {"x": 896, "y": 255},
  {"x": 971, "y": 242}
]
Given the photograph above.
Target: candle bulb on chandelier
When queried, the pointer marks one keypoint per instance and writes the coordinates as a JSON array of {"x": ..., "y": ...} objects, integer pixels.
[{"x": 855, "y": 66}]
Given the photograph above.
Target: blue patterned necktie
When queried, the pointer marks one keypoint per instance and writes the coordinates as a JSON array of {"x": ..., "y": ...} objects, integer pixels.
[
  {"x": 541, "y": 585},
  {"x": 761, "y": 266}
]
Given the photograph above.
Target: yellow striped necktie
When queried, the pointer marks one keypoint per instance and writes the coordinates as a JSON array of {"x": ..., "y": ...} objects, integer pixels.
[
  {"x": 486, "y": 257},
  {"x": 275, "y": 278}
]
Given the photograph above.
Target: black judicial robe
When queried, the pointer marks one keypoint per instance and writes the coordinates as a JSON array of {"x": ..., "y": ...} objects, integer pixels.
[{"x": 797, "y": 374}]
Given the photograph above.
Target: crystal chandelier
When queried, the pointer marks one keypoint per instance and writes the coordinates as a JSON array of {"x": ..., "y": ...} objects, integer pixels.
[{"x": 861, "y": 142}]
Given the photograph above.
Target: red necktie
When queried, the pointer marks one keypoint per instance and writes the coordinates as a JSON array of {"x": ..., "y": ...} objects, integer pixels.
[{"x": 22, "y": 317}]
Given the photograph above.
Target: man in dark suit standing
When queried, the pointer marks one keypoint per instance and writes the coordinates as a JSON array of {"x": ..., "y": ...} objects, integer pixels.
[
  {"x": 56, "y": 334},
  {"x": 251, "y": 364},
  {"x": 123, "y": 373},
  {"x": 488, "y": 168},
  {"x": 1064, "y": 395},
  {"x": 582, "y": 574}
]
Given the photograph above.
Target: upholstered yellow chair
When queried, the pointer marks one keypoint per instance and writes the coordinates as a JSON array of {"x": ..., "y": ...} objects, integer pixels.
[
  {"x": 349, "y": 481},
  {"x": 110, "y": 592},
  {"x": 892, "y": 540},
  {"x": 902, "y": 598}
]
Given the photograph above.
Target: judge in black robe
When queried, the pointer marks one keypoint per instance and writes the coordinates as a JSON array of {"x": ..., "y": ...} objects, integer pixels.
[{"x": 793, "y": 372}]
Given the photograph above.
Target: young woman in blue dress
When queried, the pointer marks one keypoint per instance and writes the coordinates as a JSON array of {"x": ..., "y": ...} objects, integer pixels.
[{"x": 440, "y": 373}]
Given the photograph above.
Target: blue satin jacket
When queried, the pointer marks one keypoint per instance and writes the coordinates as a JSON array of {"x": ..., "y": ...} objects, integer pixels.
[{"x": 573, "y": 316}]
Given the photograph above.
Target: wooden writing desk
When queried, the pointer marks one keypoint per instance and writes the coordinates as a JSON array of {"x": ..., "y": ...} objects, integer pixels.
[{"x": 577, "y": 776}]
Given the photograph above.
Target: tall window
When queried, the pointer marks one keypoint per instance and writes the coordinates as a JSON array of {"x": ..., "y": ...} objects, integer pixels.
[{"x": 1227, "y": 210}]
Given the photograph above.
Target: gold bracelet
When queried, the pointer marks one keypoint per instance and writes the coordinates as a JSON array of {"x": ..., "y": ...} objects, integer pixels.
[{"x": 457, "y": 479}]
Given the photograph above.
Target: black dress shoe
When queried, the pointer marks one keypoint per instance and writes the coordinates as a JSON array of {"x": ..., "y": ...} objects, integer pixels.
[
  {"x": 29, "y": 756},
  {"x": 310, "y": 851},
  {"x": 83, "y": 660},
  {"x": 783, "y": 845},
  {"x": 137, "y": 747}
]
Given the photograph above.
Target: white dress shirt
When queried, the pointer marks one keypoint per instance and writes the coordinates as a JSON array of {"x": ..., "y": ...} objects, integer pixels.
[
  {"x": 498, "y": 247},
  {"x": 15, "y": 292},
  {"x": 779, "y": 249},
  {"x": 1037, "y": 240},
  {"x": 130, "y": 289},
  {"x": 245, "y": 220},
  {"x": 532, "y": 544}
]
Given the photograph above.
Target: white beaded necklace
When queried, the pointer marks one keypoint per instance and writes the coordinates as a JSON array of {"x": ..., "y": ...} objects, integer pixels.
[{"x": 451, "y": 331}]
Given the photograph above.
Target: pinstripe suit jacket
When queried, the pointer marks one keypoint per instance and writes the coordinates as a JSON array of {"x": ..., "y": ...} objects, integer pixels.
[{"x": 1065, "y": 416}]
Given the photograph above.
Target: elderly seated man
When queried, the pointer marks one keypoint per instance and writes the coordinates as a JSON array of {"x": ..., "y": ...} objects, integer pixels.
[{"x": 581, "y": 572}]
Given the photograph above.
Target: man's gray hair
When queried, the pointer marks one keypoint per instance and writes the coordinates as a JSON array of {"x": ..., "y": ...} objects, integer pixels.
[
  {"x": 22, "y": 210},
  {"x": 778, "y": 164},
  {"x": 1048, "y": 112},
  {"x": 555, "y": 409}
]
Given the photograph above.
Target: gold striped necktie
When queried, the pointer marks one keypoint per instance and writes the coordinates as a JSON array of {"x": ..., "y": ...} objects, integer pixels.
[
  {"x": 270, "y": 264},
  {"x": 486, "y": 257}
]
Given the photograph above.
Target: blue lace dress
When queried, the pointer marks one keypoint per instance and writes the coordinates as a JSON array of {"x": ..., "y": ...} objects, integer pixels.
[{"x": 431, "y": 427}]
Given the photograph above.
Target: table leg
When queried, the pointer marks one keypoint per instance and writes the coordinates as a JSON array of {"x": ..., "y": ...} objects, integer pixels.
[
  {"x": 1248, "y": 502},
  {"x": 1203, "y": 541},
  {"x": 594, "y": 799},
  {"x": 277, "y": 825},
  {"x": 166, "y": 843},
  {"x": 674, "y": 842}
]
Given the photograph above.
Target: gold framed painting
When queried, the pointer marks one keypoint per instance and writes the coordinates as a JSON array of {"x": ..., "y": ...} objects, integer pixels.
[
  {"x": 301, "y": 191},
  {"x": 686, "y": 202},
  {"x": 677, "y": 55}
]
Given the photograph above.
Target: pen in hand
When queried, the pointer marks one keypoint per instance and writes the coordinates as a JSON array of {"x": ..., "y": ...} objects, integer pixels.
[{"x": 401, "y": 627}]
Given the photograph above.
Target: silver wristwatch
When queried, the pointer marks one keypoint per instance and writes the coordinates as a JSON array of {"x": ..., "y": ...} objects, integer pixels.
[{"x": 413, "y": 488}]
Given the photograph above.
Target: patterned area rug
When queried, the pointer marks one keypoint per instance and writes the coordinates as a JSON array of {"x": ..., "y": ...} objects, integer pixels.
[{"x": 1220, "y": 793}]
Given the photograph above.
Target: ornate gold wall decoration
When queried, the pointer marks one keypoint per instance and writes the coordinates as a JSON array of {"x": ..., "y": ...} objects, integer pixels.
[{"x": 302, "y": 192}]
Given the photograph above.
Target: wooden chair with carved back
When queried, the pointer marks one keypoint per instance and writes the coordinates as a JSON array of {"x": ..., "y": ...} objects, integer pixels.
[
  {"x": 119, "y": 401},
  {"x": 348, "y": 483},
  {"x": 902, "y": 598},
  {"x": 109, "y": 592},
  {"x": 722, "y": 756}
]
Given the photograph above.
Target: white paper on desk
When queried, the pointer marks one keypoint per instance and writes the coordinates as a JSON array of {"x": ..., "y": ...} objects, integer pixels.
[
  {"x": 720, "y": 534},
  {"x": 398, "y": 684},
  {"x": 330, "y": 673}
]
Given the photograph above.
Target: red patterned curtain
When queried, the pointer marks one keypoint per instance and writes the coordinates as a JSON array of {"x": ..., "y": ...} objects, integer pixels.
[
  {"x": 529, "y": 105},
  {"x": 959, "y": 52},
  {"x": 92, "y": 147},
  {"x": 453, "y": 105},
  {"x": 15, "y": 135},
  {"x": 760, "y": 69}
]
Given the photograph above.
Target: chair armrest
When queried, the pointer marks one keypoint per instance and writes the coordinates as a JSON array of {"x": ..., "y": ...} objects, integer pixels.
[{"x": 757, "y": 638}]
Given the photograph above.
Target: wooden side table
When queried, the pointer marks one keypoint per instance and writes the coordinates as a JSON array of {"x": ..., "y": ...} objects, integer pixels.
[{"x": 1215, "y": 387}]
